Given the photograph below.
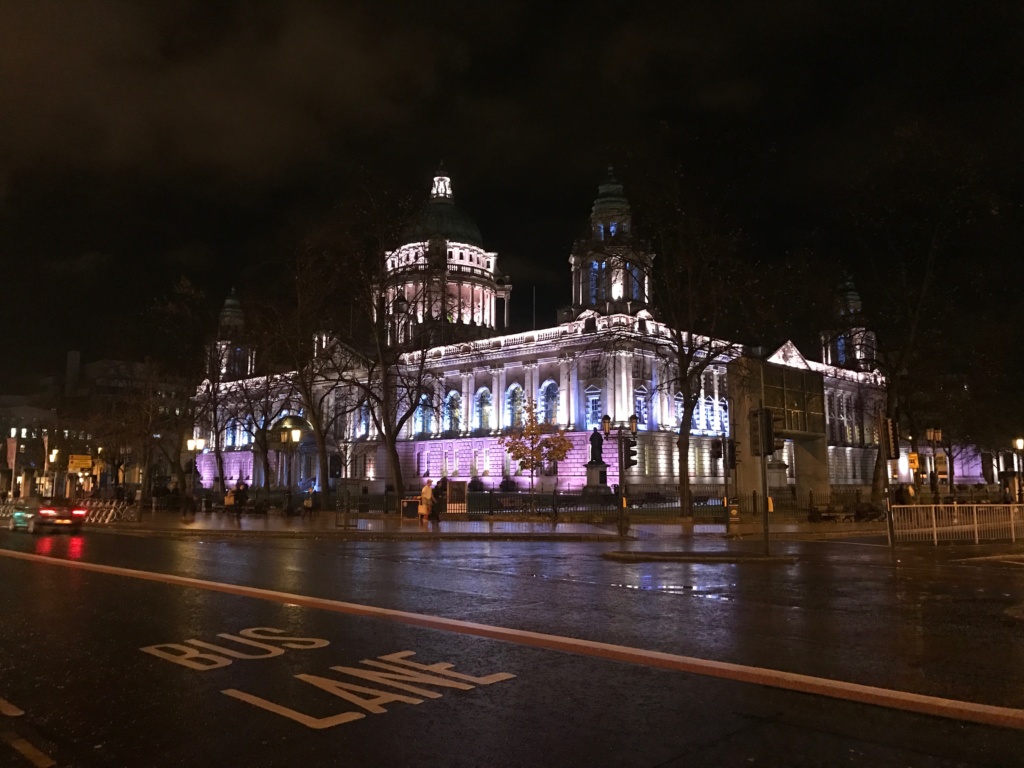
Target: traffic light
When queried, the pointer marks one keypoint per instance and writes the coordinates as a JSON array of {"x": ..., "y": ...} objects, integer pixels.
[
  {"x": 774, "y": 424},
  {"x": 763, "y": 423},
  {"x": 716, "y": 449},
  {"x": 730, "y": 454},
  {"x": 631, "y": 453},
  {"x": 891, "y": 438},
  {"x": 755, "y": 432}
]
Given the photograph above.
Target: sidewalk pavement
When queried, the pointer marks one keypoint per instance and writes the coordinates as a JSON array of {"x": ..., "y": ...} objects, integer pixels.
[{"x": 384, "y": 527}]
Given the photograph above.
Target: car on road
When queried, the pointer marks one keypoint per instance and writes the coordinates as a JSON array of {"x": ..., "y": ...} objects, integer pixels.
[{"x": 37, "y": 514}]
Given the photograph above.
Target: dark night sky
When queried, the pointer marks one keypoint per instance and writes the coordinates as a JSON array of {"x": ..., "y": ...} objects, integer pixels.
[{"x": 140, "y": 141}]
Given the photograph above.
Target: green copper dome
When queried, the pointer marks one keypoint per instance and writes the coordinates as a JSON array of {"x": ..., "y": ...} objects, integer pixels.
[{"x": 439, "y": 218}]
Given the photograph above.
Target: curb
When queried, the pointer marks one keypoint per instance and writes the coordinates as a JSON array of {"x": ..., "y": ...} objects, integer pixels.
[
  {"x": 696, "y": 557},
  {"x": 221, "y": 533}
]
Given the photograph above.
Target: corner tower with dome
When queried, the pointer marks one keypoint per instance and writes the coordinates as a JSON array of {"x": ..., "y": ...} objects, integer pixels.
[
  {"x": 610, "y": 270},
  {"x": 441, "y": 285}
]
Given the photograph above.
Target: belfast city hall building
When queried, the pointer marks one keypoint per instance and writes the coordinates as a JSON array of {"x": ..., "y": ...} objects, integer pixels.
[{"x": 608, "y": 354}]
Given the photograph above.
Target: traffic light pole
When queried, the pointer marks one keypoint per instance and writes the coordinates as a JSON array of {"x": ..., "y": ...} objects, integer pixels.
[
  {"x": 624, "y": 443},
  {"x": 889, "y": 438},
  {"x": 623, "y": 519},
  {"x": 763, "y": 415}
]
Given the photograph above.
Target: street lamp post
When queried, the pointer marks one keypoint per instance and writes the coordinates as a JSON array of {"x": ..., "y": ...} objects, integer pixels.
[
  {"x": 934, "y": 436},
  {"x": 53, "y": 465},
  {"x": 1018, "y": 444},
  {"x": 623, "y": 499},
  {"x": 195, "y": 446},
  {"x": 290, "y": 437}
]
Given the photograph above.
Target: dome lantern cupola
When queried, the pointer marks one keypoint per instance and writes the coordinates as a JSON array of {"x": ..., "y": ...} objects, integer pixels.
[{"x": 446, "y": 283}]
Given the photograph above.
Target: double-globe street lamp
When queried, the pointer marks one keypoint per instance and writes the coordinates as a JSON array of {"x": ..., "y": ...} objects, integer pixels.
[
  {"x": 622, "y": 441},
  {"x": 195, "y": 446},
  {"x": 290, "y": 430}
]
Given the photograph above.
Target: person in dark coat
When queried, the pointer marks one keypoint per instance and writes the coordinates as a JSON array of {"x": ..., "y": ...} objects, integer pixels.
[{"x": 440, "y": 499}]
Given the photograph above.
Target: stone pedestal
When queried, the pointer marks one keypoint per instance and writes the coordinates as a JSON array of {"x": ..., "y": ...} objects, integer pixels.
[{"x": 597, "y": 479}]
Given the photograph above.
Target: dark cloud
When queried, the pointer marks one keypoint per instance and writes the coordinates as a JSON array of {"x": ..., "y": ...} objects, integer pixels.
[{"x": 197, "y": 137}]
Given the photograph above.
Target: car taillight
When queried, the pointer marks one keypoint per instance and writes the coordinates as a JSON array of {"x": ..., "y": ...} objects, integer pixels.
[
  {"x": 48, "y": 512},
  {"x": 77, "y": 511}
]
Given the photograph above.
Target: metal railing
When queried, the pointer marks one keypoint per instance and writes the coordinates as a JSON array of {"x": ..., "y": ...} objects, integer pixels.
[
  {"x": 100, "y": 512},
  {"x": 958, "y": 522}
]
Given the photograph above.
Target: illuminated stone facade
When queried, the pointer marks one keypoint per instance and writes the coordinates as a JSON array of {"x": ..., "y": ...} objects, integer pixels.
[{"x": 607, "y": 355}]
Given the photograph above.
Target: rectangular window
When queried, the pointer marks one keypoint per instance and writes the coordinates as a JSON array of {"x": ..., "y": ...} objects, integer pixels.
[
  {"x": 593, "y": 411},
  {"x": 640, "y": 409}
]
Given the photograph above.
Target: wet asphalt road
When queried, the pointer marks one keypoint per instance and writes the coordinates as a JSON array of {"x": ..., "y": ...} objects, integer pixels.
[{"x": 73, "y": 661}]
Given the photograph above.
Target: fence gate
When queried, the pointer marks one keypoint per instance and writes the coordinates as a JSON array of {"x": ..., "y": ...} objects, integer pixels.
[{"x": 456, "y": 497}]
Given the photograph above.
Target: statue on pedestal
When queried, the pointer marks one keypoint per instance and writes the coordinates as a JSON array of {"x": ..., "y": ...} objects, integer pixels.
[{"x": 596, "y": 441}]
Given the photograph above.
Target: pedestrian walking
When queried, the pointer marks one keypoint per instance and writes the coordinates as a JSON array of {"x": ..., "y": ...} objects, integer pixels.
[
  {"x": 440, "y": 498},
  {"x": 426, "y": 501}
]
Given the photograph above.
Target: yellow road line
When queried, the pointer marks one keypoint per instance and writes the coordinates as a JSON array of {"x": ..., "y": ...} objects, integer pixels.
[
  {"x": 38, "y": 758},
  {"x": 985, "y": 714},
  {"x": 8, "y": 709}
]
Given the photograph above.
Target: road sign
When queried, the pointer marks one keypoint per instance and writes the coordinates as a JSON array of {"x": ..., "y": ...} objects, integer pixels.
[
  {"x": 79, "y": 461},
  {"x": 912, "y": 462}
]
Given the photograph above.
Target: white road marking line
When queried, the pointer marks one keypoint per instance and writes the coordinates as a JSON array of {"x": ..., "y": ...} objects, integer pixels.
[
  {"x": 8, "y": 709},
  {"x": 985, "y": 714},
  {"x": 38, "y": 758}
]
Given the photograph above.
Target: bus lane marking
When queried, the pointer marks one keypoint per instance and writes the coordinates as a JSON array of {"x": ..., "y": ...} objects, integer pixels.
[
  {"x": 9, "y": 710},
  {"x": 37, "y": 757},
  {"x": 985, "y": 714},
  {"x": 394, "y": 670}
]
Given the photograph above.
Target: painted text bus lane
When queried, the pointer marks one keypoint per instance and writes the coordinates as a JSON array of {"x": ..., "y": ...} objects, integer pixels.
[{"x": 368, "y": 686}]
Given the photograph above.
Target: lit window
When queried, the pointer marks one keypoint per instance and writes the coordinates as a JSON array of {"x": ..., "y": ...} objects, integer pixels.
[
  {"x": 453, "y": 412},
  {"x": 483, "y": 409},
  {"x": 515, "y": 406},
  {"x": 594, "y": 414},
  {"x": 549, "y": 397},
  {"x": 640, "y": 407},
  {"x": 422, "y": 421}
]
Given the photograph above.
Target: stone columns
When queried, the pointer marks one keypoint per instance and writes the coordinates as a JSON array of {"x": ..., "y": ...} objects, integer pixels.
[
  {"x": 497, "y": 398},
  {"x": 573, "y": 395},
  {"x": 563, "y": 391},
  {"x": 467, "y": 402},
  {"x": 500, "y": 396},
  {"x": 530, "y": 381},
  {"x": 608, "y": 400},
  {"x": 438, "y": 425}
]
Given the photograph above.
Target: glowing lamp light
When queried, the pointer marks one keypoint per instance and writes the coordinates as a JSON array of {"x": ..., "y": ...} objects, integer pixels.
[
  {"x": 617, "y": 286},
  {"x": 1019, "y": 443},
  {"x": 296, "y": 435}
]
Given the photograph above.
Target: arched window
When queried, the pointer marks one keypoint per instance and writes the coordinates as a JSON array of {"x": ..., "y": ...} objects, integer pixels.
[
  {"x": 723, "y": 415},
  {"x": 710, "y": 415},
  {"x": 363, "y": 429},
  {"x": 453, "y": 412},
  {"x": 678, "y": 404},
  {"x": 514, "y": 400},
  {"x": 483, "y": 409},
  {"x": 549, "y": 403},
  {"x": 595, "y": 279},
  {"x": 422, "y": 419}
]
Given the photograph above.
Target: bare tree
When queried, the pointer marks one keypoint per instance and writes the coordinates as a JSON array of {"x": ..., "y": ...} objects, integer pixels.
[
  {"x": 912, "y": 214},
  {"x": 703, "y": 293}
]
